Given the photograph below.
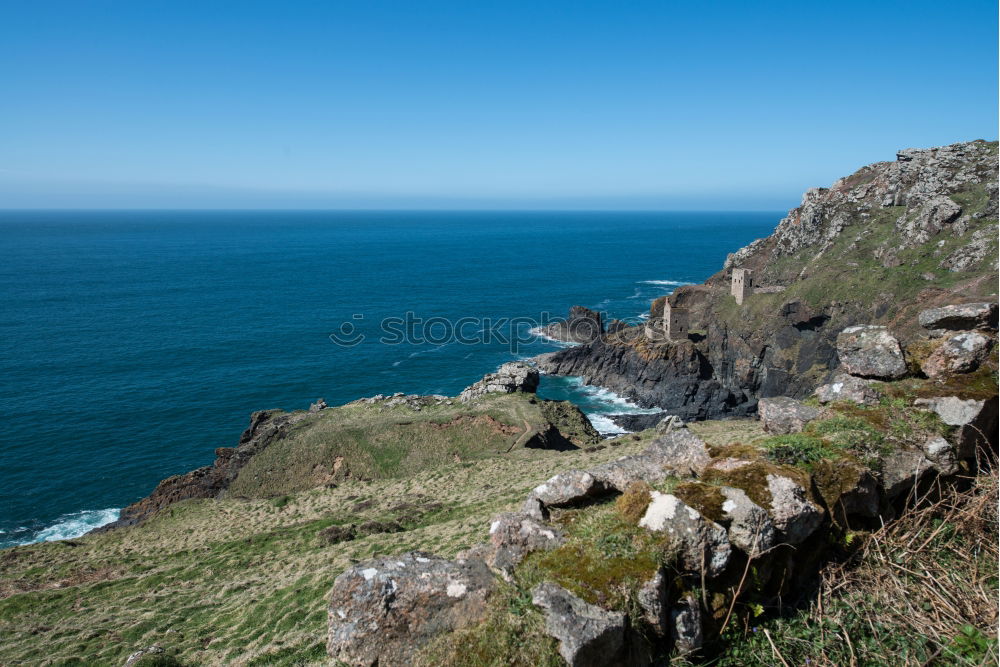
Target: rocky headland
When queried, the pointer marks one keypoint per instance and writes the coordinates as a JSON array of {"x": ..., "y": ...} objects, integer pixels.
[{"x": 876, "y": 247}]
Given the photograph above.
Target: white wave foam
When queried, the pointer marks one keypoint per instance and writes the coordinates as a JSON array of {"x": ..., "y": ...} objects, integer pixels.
[
  {"x": 75, "y": 524},
  {"x": 605, "y": 426},
  {"x": 666, "y": 283},
  {"x": 537, "y": 331}
]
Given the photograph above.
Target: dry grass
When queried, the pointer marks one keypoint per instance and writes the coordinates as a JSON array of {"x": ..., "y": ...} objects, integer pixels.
[{"x": 922, "y": 590}]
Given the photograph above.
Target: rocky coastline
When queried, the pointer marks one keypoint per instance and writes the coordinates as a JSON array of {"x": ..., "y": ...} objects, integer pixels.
[{"x": 828, "y": 380}]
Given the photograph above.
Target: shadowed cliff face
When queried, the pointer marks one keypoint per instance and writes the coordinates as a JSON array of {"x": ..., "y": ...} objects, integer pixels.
[{"x": 876, "y": 247}]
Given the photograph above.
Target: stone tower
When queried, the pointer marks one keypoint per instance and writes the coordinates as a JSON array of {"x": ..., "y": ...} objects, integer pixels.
[
  {"x": 742, "y": 284},
  {"x": 675, "y": 322}
]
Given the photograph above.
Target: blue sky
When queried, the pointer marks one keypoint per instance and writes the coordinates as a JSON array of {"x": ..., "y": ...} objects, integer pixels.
[{"x": 663, "y": 105}]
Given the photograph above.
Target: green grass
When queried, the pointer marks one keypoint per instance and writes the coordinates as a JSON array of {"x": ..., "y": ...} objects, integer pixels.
[{"x": 242, "y": 581}]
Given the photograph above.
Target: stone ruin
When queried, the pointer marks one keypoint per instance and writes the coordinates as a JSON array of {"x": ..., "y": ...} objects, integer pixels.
[
  {"x": 742, "y": 284},
  {"x": 675, "y": 322},
  {"x": 667, "y": 324}
]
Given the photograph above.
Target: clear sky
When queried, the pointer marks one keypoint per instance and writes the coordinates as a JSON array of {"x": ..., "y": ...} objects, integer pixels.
[{"x": 468, "y": 104}]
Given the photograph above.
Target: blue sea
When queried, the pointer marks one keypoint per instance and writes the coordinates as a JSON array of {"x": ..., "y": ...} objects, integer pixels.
[{"x": 132, "y": 344}]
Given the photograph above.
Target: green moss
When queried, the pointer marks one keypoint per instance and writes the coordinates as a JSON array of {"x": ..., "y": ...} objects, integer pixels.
[
  {"x": 705, "y": 498},
  {"x": 604, "y": 561},
  {"x": 752, "y": 479}
]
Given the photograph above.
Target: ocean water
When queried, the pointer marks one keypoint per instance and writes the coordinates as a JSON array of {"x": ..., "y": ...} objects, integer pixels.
[{"x": 132, "y": 344}]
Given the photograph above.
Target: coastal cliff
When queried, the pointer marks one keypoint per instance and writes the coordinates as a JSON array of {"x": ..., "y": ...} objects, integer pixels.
[{"x": 875, "y": 247}]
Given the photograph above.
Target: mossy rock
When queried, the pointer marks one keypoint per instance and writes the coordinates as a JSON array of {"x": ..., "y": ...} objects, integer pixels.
[
  {"x": 705, "y": 498},
  {"x": 752, "y": 479}
]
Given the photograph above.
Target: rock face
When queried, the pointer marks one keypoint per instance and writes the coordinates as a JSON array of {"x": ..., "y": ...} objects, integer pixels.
[
  {"x": 588, "y": 635},
  {"x": 383, "y": 610},
  {"x": 938, "y": 203},
  {"x": 582, "y": 326},
  {"x": 871, "y": 352},
  {"x": 845, "y": 387},
  {"x": 962, "y": 353},
  {"x": 511, "y": 377},
  {"x": 961, "y": 317},
  {"x": 785, "y": 415}
]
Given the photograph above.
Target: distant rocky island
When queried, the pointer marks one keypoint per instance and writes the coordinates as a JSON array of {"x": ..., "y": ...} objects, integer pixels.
[{"x": 828, "y": 395}]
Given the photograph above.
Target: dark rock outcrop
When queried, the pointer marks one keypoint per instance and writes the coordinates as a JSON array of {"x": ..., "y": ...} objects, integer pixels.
[{"x": 582, "y": 326}]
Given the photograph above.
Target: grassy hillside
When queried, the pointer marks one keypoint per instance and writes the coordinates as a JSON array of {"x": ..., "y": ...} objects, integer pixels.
[
  {"x": 392, "y": 438},
  {"x": 242, "y": 581}
]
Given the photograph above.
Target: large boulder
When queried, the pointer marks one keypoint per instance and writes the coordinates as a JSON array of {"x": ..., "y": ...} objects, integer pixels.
[
  {"x": 680, "y": 451},
  {"x": 872, "y": 352},
  {"x": 513, "y": 536},
  {"x": 565, "y": 489},
  {"x": 588, "y": 635},
  {"x": 961, "y": 353},
  {"x": 846, "y": 387},
  {"x": 793, "y": 514},
  {"x": 781, "y": 414},
  {"x": 509, "y": 378},
  {"x": 701, "y": 544},
  {"x": 960, "y": 317},
  {"x": 383, "y": 610},
  {"x": 620, "y": 473}
]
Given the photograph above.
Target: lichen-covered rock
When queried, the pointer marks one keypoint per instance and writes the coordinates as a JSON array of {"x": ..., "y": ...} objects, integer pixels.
[
  {"x": 941, "y": 454},
  {"x": 566, "y": 488},
  {"x": 652, "y": 598},
  {"x": 680, "y": 451},
  {"x": 749, "y": 526},
  {"x": 793, "y": 514},
  {"x": 781, "y": 414},
  {"x": 513, "y": 536},
  {"x": 383, "y": 610},
  {"x": 619, "y": 474},
  {"x": 960, "y": 317},
  {"x": 846, "y": 387},
  {"x": 872, "y": 352},
  {"x": 902, "y": 470},
  {"x": 976, "y": 421},
  {"x": 961, "y": 353},
  {"x": 509, "y": 378},
  {"x": 588, "y": 635},
  {"x": 700, "y": 543},
  {"x": 685, "y": 625}
]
